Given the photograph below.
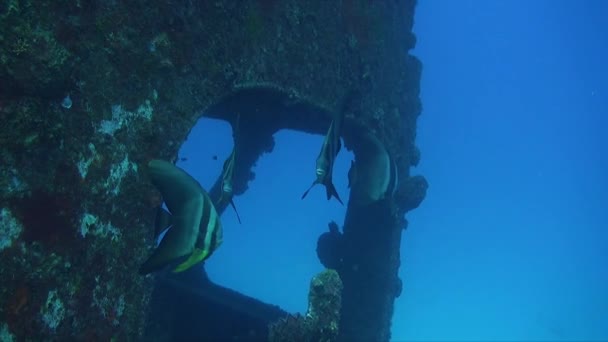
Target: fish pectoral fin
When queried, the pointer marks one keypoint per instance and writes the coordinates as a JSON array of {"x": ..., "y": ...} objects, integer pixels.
[
  {"x": 331, "y": 191},
  {"x": 180, "y": 238},
  {"x": 306, "y": 192},
  {"x": 197, "y": 256},
  {"x": 236, "y": 211},
  {"x": 162, "y": 221}
]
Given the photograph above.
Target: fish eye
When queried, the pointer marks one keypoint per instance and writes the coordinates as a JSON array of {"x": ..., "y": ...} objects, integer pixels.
[{"x": 227, "y": 188}]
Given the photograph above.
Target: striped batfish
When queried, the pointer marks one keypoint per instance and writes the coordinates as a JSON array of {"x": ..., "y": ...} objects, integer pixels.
[
  {"x": 373, "y": 175},
  {"x": 228, "y": 172},
  {"x": 325, "y": 161},
  {"x": 195, "y": 230}
]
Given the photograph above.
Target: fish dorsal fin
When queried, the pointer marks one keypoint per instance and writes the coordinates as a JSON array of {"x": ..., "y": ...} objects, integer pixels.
[
  {"x": 175, "y": 185},
  {"x": 162, "y": 221}
]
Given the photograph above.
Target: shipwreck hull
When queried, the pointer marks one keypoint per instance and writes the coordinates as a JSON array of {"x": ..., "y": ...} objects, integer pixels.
[{"x": 90, "y": 91}]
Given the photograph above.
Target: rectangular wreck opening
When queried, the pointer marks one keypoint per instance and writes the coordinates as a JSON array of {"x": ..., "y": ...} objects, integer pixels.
[{"x": 279, "y": 230}]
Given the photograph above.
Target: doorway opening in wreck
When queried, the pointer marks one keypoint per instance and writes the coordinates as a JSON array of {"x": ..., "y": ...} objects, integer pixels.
[{"x": 271, "y": 255}]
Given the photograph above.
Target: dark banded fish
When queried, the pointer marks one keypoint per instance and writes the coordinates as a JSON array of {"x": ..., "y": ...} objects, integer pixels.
[
  {"x": 373, "y": 176},
  {"x": 325, "y": 161},
  {"x": 195, "y": 229},
  {"x": 228, "y": 173}
]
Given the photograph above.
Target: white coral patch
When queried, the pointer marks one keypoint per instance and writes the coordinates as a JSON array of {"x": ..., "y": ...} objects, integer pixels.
[
  {"x": 53, "y": 310},
  {"x": 91, "y": 224},
  {"x": 5, "y": 334},
  {"x": 84, "y": 163},
  {"x": 121, "y": 117},
  {"x": 10, "y": 228},
  {"x": 117, "y": 173}
]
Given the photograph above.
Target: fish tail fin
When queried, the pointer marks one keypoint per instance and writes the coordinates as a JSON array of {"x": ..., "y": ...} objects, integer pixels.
[
  {"x": 331, "y": 191},
  {"x": 236, "y": 211}
]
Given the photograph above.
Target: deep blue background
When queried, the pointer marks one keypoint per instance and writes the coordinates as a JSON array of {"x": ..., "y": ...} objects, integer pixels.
[{"x": 511, "y": 242}]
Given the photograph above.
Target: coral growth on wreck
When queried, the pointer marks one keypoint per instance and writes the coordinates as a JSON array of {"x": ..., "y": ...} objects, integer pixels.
[{"x": 321, "y": 321}]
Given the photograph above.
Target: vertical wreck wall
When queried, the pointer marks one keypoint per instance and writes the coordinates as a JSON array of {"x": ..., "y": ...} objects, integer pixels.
[{"x": 90, "y": 91}]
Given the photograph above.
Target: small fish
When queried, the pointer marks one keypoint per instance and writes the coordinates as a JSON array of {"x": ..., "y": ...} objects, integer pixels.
[
  {"x": 214, "y": 157},
  {"x": 228, "y": 173},
  {"x": 195, "y": 229},
  {"x": 373, "y": 176},
  {"x": 325, "y": 161}
]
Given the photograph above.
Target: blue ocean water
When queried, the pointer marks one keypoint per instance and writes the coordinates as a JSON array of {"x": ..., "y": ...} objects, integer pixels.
[{"x": 511, "y": 242}]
